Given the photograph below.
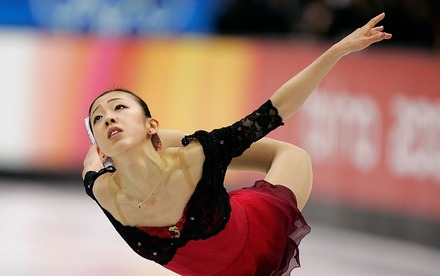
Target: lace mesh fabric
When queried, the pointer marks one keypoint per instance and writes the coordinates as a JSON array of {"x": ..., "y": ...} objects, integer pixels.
[{"x": 208, "y": 209}]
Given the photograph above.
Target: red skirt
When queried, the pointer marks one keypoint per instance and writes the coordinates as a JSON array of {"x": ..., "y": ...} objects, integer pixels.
[{"x": 261, "y": 238}]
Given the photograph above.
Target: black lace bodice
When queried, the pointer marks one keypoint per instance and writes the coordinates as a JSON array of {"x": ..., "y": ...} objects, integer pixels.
[{"x": 208, "y": 209}]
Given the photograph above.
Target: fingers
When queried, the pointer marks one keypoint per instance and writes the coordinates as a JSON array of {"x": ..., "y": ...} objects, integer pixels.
[
  {"x": 376, "y": 33},
  {"x": 93, "y": 148},
  {"x": 377, "y": 29},
  {"x": 385, "y": 35},
  {"x": 375, "y": 20},
  {"x": 378, "y": 37}
]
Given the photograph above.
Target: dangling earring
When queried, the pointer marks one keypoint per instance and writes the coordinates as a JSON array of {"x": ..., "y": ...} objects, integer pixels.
[{"x": 157, "y": 144}]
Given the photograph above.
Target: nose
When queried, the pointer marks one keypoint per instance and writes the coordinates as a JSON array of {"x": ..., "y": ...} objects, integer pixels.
[{"x": 110, "y": 120}]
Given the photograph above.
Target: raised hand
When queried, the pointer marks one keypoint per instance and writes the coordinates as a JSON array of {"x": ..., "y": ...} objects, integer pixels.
[
  {"x": 364, "y": 36},
  {"x": 93, "y": 160},
  {"x": 289, "y": 97}
]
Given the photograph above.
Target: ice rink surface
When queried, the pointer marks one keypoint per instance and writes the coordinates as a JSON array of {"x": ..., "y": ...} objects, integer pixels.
[{"x": 57, "y": 230}]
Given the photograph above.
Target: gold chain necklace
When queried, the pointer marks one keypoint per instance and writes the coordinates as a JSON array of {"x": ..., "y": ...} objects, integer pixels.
[
  {"x": 150, "y": 194},
  {"x": 155, "y": 185}
]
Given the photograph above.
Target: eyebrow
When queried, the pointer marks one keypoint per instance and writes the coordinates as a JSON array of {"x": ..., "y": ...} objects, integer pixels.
[{"x": 109, "y": 101}]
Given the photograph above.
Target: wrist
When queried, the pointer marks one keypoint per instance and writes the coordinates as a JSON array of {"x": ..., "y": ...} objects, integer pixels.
[{"x": 338, "y": 50}]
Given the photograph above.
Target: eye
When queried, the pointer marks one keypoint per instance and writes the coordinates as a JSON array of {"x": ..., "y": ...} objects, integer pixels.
[
  {"x": 120, "y": 106},
  {"x": 96, "y": 119}
]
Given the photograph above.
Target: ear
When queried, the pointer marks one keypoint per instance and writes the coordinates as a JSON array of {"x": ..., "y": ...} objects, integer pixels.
[{"x": 152, "y": 126}]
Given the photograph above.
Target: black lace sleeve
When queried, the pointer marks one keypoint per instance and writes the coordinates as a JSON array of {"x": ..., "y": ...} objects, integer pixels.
[
  {"x": 254, "y": 127},
  {"x": 236, "y": 138}
]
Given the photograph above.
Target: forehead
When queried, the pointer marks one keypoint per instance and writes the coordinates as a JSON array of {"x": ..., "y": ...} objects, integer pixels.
[{"x": 112, "y": 96}]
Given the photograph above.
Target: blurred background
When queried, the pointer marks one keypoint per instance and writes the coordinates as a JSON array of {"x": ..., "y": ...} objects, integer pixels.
[{"x": 371, "y": 127}]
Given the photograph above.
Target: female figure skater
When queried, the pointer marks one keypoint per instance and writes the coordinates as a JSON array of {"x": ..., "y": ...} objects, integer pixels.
[{"x": 167, "y": 199}]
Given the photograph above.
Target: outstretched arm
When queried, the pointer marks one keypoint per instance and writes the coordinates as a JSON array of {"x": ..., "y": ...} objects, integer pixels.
[
  {"x": 289, "y": 97},
  {"x": 287, "y": 164}
]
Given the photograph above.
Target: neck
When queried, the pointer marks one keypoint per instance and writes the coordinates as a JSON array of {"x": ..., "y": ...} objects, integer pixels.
[{"x": 139, "y": 171}]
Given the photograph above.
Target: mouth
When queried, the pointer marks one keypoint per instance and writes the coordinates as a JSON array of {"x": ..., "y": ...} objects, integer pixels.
[{"x": 113, "y": 132}]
